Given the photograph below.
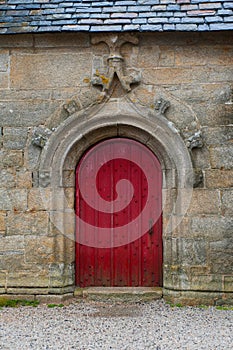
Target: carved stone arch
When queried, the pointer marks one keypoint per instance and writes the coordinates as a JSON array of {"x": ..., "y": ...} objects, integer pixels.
[
  {"x": 116, "y": 118},
  {"x": 119, "y": 117}
]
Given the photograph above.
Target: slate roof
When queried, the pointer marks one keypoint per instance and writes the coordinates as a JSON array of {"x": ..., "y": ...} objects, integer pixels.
[{"x": 28, "y": 16}]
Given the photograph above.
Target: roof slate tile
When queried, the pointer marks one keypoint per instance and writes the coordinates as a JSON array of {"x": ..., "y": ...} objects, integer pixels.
[
  {"x": 159, "y": 8},
  {"x": 218, "y": 26},
  {"x": 188, "y": 27},
  {"x": 203, "y": 27},
  {"x": 228, "y": 19},
  {"x": 228, "y": 5},
  {"x": 115, "y": 15},
  {"x": 131, "y": 27},
  {"x": 113, "y": 28},
  {"x": 214, "y": 19},
  {"x": 139, "y": 21},
  {"x": 192, "y": 20},
  {"x": 152, "y": 27},
  {"x": 157, "y": 20},
  {"x": 169, "y": 27}
]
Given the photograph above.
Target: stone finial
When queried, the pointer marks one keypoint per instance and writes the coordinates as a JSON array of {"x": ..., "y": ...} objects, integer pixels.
[
  {"x": 40, "y": 136},
  {"x": 161, "y": 105},
  {"x": 115, "y": 62},
  {"x": 194, "y": 141}
]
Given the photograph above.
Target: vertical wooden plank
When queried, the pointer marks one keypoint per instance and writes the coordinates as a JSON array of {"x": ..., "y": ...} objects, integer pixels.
[
  {"x": 103, "y": 255},
  {"x": 134, "y": 210},
  {"x": 120, "y": 253}
]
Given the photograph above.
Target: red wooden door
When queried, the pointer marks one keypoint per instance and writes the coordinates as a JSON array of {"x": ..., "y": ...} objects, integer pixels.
[{"x": 118, "y": 216}]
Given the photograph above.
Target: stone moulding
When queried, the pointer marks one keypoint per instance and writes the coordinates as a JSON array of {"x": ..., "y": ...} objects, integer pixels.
[
  {"x": 115, "y": 63},
  {"x": 114, "y": 114}
]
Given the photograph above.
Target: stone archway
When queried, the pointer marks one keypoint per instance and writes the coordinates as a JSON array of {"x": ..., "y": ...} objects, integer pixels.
[{"x": 116, "y": 118}]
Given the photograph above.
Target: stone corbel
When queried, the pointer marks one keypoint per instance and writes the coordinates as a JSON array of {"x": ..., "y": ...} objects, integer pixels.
[
  {"x": 115, "y": 63},
  {"x": 71, "y": 107},
  {"x": 161, "y": 105},
  {"x": 194, "y": 141},
  {"x": 40, "y": 136}
]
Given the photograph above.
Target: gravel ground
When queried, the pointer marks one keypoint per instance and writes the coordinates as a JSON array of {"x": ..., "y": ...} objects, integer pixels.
[{"x": 115, "y": 325}]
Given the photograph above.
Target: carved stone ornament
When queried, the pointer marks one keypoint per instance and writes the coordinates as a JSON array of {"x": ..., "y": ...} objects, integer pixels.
[
  {"x": 195, "y": 141},
  {"x": 71, "y": 107},
  {"x": 40, "y": 136},
  {"x": 115, "y": 62},
  {"x": 161, "y": 105},
  {"x": 44, "y": 178}
]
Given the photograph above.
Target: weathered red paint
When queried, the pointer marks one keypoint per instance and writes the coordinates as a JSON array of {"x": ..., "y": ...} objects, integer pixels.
[{"x": 138, "y": 263}]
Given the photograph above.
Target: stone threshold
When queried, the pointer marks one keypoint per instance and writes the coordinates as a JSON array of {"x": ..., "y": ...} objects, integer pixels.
[
  {"x": 119, "y": 293},
  {"x": 91, "y": 293}
]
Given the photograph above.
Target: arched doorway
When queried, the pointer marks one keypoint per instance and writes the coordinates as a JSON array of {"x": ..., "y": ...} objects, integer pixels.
[
  {"x": 119, "y": 215},
  {"x": 65, "y": 149}
]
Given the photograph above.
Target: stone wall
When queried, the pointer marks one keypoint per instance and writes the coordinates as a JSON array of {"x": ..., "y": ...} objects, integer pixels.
[{"x": 46, "y": 85}]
